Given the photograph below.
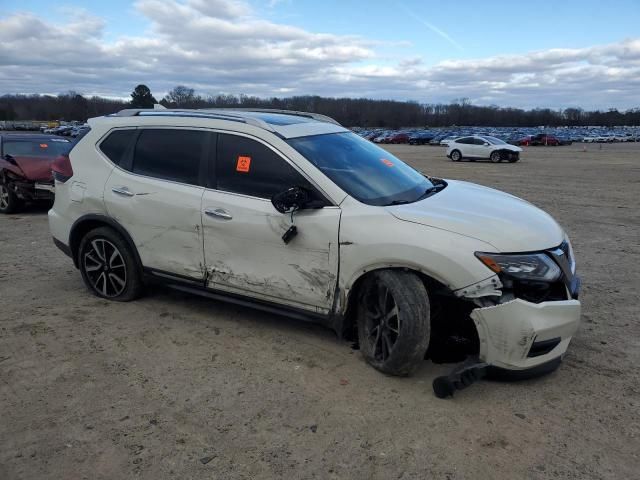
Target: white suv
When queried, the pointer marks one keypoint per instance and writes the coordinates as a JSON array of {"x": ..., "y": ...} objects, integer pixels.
[
  {"x": 482, "y": 147},
  {"x": 290, "y": 212}
]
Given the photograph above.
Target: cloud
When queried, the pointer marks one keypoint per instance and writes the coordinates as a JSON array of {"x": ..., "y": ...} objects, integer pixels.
[{"x": 219, "y": 46}]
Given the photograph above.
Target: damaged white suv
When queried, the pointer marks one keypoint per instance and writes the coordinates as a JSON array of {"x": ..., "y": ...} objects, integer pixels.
[{"x": 292, "y": 213}]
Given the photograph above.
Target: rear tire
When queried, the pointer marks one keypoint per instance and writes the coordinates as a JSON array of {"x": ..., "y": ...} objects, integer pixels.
[
  {"x": 9, "y": 201},
  {"x": 108, "y": 266},
  {"x": 456, "y": 156},
  {"x": 495, "y": 157},
  {"x": 394, "y": 321}
]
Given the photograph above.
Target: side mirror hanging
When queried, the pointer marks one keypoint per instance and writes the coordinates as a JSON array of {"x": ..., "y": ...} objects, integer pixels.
[{"x": 290, "y": 200}]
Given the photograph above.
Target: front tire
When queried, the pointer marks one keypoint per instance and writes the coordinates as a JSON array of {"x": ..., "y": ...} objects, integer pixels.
[
  {"x": 108, "y": 266},
  {"x": 456, "y": 156},
  {"x": 9, "y": 201},
  {"x": 394, "y": 321},
  {"x": 495, "y": 157}
]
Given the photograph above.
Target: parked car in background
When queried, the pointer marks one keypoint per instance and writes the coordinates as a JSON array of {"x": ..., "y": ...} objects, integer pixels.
[
  {"x": 399, "y": 137},
  {"x": 420, "y": 138},
  {"x": 544, "y": 139},
  {"x": 383, "y": 137},
  {"x": 447, "y": 140},
  {"x": 482, "y": 147},
  {"x": 293, "y": 213},
  {"x": 25, "y": 168},
  {"x": 79, "y": 131}
]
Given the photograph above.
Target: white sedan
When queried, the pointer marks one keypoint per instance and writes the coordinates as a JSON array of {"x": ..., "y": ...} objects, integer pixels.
[{"x": 482, "y": 147}]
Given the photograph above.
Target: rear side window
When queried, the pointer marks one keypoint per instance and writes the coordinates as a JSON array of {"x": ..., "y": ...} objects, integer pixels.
[
  {"x": 116, "y": 144},
  {"x": 36, "y": 148},
  {"x": 248, "y": 167},
  {"x": 170, "y": 154}
]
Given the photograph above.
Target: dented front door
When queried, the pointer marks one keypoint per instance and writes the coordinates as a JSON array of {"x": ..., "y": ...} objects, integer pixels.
[{"x": 245, "y": 253}]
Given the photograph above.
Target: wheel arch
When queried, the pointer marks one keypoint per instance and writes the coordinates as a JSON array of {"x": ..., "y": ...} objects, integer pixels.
[
  {"x": 353, "y": 287},
  {"x": 86, "y": 223}
]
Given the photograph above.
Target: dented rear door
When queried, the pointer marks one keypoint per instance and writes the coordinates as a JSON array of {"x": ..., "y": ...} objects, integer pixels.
[{"x": 155, "y": 195}]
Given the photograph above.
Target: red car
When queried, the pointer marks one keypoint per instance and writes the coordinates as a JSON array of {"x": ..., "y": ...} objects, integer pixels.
[
  {"x": 25, "y": 168},
  {"x": 544, "y": 139},
  {"x": 398, "y": 138}
]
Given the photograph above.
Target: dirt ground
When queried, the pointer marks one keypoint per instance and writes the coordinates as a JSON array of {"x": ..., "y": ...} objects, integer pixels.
[{"x": 176, "y": 386}]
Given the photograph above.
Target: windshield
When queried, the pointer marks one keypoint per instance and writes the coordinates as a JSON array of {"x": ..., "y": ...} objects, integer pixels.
[
  {"x": 36, "y": 148},
  {"x": 494, "y": 140},
  {"x": 363, "y": 170}
]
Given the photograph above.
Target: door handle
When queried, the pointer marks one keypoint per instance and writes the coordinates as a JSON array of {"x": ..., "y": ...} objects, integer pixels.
[
  {"x": 218, "y": 213},
  {"x": 123, "y": 191}
]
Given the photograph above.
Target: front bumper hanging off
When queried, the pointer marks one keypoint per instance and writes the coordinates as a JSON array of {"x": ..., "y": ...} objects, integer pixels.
[
  {"x": 519, "y": 335},
  {"x": 518, "y": 340}
]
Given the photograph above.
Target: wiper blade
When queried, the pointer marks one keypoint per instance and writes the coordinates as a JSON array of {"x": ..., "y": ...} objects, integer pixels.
[{"x": 431, "y": 190}]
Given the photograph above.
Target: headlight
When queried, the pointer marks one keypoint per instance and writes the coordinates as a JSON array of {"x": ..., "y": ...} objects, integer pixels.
[{"x": 528, "y": 266}]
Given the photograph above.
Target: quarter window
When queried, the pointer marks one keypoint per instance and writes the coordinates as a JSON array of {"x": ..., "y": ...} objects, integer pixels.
[
  {"x": 116, "y": 144},
  {"x": 248, "y": 167},
  {"x": 170, "y": 154}
]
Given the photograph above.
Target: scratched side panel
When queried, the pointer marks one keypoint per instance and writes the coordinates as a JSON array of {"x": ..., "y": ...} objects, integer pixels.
[
  {"x": 163, "y": 219},
  {"x": 247, "y": 255}
]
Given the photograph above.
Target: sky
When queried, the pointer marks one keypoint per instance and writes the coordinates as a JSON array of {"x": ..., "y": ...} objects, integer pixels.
[{"x": 554, "y": 54}]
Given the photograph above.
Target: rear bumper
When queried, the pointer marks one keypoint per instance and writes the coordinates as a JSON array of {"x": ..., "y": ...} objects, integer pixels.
[
  {"x": 520, "y": 336},
  {"x": 32, "y": 190},
  {"x": 64, "y": 248}
]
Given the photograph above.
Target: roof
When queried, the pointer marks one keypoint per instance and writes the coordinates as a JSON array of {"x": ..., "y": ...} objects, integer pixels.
[
  {"x": 286, "y": 123},
  {"x": 33, "y": 136}
]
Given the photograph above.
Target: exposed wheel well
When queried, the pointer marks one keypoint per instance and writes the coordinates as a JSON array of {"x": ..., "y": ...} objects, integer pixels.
[
  {"x": 453, "y": 333},
  {"x": 84, "y": 225}
]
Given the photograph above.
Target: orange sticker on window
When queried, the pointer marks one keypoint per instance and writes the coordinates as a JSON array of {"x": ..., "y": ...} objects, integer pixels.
[
  {"x": 388, "y": 163},
  {"x": 243, "y": 164},
  {"x": 43, "y": 145}
]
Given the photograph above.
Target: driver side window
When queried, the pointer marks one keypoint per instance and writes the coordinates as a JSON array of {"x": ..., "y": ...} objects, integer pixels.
[{"x": 248, "y": 167}]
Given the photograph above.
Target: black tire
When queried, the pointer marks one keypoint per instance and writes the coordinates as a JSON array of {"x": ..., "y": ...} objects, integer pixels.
[
  {"x": 394, "y": 321},
  {"x": 495, "y": 157},
  {"x": 9, "y": 201},
  {"x": 121, "y": 269},
  {"x": 456, "y": 156},
  {"x": 514, "y": 159}
]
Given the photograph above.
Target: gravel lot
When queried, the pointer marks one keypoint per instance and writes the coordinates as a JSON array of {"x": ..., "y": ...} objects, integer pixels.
[{"x": 175, "y": 386}]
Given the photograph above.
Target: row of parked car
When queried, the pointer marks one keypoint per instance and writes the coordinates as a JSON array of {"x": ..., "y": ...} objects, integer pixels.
[
  {"x": 519, "y": 137},
  {"x": 66, "y": 130}
]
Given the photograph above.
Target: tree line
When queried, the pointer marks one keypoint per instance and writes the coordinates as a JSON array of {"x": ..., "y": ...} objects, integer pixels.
[{"x": 361, "y": 112}]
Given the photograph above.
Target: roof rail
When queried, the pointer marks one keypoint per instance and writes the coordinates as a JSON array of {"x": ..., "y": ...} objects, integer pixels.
[
  {"x": 232, "y": 114},
  {"x": 199, "y": 113},
  {"x": 315, "y": 116}
]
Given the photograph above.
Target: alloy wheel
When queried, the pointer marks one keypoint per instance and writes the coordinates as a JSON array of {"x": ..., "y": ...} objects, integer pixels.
[
  {"x": 105, "y": 267},
  {"x": 382, "y": 321},
  {"x": 4, "y": 196}
]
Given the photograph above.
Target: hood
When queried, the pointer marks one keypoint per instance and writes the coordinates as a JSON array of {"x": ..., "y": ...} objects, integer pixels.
[
  {"x": 508, "y": 146},
  {"x": 35, "y": 168},
  {"x": 508, "y": 223}
]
